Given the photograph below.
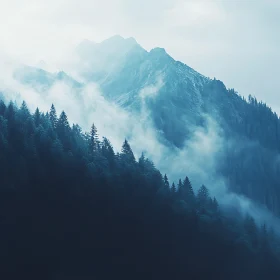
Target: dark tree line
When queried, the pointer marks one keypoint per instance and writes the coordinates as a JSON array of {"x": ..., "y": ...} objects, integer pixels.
[
  {"x": 251, "y": 133},
  {"x": 72, "y": 208}
]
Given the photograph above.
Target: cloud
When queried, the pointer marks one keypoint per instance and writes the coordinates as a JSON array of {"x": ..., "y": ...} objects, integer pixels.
[
  {"x": 230, "y": 40},
  {"x": 152, "y": 90},
  {"x": 233, "y": 41},
  {"x": 199, "y": 158},
  {"x": 197, "y": 13}
]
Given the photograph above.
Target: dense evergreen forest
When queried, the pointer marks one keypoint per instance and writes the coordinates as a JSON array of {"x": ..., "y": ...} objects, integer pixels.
[
  {"x": 252, "y": 143},
  {"x": 182, "y": 103},
  {"x": 72, "y": 208}
]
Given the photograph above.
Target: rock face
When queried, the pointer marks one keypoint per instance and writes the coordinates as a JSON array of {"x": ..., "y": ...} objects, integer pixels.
[
  {"x": 177, "y": 100},
  {"x": 130, "y": 76}
]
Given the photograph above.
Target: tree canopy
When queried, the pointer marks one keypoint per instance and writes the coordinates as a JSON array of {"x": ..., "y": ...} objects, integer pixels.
[{"x": 68, "y": 211}]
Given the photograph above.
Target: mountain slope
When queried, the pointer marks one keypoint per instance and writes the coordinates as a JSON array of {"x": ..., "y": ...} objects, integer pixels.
[
  {"x": 42, "y": 80},
  {"x": 136, "y": 77},
  {"x": 179, "y": 100},
  {"x": 71, "y": 208}
]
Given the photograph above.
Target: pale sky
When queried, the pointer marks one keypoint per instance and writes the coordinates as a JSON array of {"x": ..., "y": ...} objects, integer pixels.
[{"x": 237, "y": 42}]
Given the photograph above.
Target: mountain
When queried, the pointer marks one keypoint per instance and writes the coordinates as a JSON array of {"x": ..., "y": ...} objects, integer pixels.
[
  {"x": 179, "y": 100},
  {"x": 129, "y": 75},
  {"x": 73, "y": 208},
  {"x": 42, "y": 80},
  {"x": 180, "y": 103}
]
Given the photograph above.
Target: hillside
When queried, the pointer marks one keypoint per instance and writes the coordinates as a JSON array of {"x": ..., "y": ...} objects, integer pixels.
[
  {"x": 72, "y": 208},
  {"x": 178, "y": 101}
]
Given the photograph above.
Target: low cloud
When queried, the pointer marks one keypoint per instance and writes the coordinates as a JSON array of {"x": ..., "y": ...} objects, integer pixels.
[
  {"x": 199, "y": 158},
  {"x": 151, "y": 91},
  {"x": 229, "y": 40}
]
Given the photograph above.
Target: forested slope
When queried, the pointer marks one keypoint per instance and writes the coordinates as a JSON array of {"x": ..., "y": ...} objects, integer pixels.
[
  {"x": 178, "y": 101},
  {"x": 173, "y": 101},
  {"x": 72, "y": 208},
  {"x": 251, "y": 132}
]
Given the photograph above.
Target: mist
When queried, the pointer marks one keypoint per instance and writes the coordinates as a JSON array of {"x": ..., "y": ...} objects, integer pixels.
[{"x": 198, "y": 159}]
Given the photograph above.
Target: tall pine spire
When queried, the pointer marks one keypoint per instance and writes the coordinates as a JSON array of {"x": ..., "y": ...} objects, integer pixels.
[
  {"x": 37, "y": 117},
  {"x": 165, "y": 181},
  {"x": 53, "y": 116},
  {"x": 186, "y": 192},
  {"x": 93, "y": 140},
  {"x": 203, "y": 198},
  {"x": 188, "y": 187},
  {"x": 127, "y": 152}
]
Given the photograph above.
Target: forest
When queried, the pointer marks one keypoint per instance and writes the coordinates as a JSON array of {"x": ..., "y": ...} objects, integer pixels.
[
  {"x": 251, "y": 133},
  {"x": 73, "y": 208}
]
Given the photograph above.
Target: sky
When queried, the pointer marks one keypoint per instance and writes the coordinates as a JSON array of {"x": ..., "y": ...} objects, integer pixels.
[{"x": 234, "y": 41}]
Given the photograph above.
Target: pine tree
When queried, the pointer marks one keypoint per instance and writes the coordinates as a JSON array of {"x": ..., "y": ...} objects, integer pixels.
[
  {"x": 10, "y": 112},
  {"x": 108, "y": 151},
  {"x": 127, "y": 153},
  {"x": 203, "y": 193},
  {"x": 180, "y": 186},
  {"x": 215, "y": 205},
  {"x": 141, "y": 161},
  {"x": 24, "y": 108},
  {"x": 25, "y": 117},
  {"x": 165, "y": 181},
  {"x": 2, "y": 108},
  {"x": 189, "y": 189},
  {"x": 53, "y": 116},
  {"x": 37, "y": 117},
  {"x": 93, "y": 140},
  {"x": 63, "y": 131},
  {"x": 173, "y": 189},
  {"x": 63, "y": 121},
  {"x": 186, "y": 192},
  {"x": 203, "y": 198}
]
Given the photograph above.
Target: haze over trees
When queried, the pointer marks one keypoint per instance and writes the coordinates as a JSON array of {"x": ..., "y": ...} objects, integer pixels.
[
  {"x": 72, "y": 208},
  {"x": 176, "y": 100}
]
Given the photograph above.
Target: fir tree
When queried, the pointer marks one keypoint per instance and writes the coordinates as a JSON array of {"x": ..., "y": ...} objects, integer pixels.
[
  {"x": 53, "y": 116},
  {"x": 141, "y": 161},
  {"x": 37, "y": 116},
  {"x": 127, "y": 153},
  {"x": 189, "y": 189},
  {"x": 165, "y": 181},
  {"x": 173, "y": 189},
  {"x": 10, "y": 112},
  {"x": 93, "y": 140},
  {"x": 186, "y": 192},
  {"x": 2, "y": 108},
  {"x": 215, "y": 205},
  {"x": 108, "y": 151},
  {"x": 180, "y": 186},
  {"x": 24, "y": 108},
  {"x": 63, "y": 121},
  {"x": 203, "y": 198},
  {"x": 64, "y": 131}
]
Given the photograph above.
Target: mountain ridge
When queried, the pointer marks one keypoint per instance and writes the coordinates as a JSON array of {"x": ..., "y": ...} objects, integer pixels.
[
  {"x": 177, "y": 101},
  {"x": 251, "y": 131}
]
